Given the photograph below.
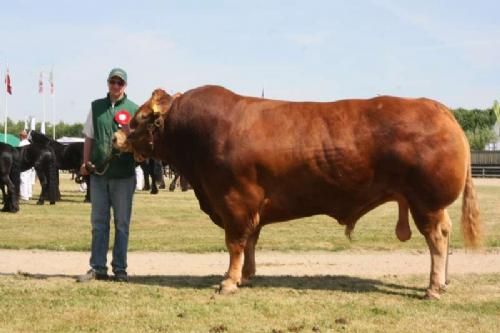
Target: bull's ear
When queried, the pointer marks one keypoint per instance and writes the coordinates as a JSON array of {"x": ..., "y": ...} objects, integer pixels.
[
  {"x": 159, "y": 94},
  {"x": 160, "y": 101}
]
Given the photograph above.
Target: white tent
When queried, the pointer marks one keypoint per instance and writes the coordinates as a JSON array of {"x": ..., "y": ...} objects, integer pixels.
[{"x": 66, "y": 140}]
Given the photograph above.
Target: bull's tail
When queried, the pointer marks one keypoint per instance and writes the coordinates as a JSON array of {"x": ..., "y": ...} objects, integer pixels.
[{"x": 471, "y": 223}]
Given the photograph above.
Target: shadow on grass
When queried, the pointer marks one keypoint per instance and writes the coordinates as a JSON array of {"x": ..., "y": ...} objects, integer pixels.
[{"x": 348, "y": 284}]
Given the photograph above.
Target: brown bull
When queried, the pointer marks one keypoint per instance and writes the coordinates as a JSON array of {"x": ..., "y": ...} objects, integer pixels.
[{"x": 253, "y": 161}]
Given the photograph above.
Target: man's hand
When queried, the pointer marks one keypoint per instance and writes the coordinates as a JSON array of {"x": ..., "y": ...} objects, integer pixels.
[
  {"x": 83, "y": 170},
  {"x": 87, "y": 168}
]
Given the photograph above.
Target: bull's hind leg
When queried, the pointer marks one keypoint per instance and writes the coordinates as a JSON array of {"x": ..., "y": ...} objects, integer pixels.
[{"x": 436, "y": 228}]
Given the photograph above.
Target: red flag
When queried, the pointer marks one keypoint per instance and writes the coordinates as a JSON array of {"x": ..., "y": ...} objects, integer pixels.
[
  {"x": 40, "y": 84},
  {"x": 7, "y": 83}
]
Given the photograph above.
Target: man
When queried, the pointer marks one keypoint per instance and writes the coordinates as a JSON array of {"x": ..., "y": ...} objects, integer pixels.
[
  {"x": 112, "y": 180},
  {"x": 26, "y": 188}
]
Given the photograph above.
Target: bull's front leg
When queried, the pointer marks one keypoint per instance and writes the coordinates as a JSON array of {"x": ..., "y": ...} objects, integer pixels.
[
  {"x": 236, "y": 248},
  {"x": 242, "y": 227}
]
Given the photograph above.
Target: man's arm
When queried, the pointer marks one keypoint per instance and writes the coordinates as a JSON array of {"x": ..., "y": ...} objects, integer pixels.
[
  {"x": 88, "y": 131},
  {"x": 87, "y": 148}
]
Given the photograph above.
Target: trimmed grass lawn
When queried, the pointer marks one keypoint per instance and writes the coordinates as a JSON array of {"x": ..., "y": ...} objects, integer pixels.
[
  {"x": 274, "y": 304},
  {"x": 172, "y": 221}
]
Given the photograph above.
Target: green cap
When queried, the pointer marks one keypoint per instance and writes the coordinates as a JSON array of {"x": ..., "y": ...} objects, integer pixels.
[{"x": 119, "y": 73}]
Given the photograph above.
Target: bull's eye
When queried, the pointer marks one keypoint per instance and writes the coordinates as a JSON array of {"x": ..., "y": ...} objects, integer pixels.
[
  {"x": 158, "y": 122},
  {"x": 151, "y": 127}
]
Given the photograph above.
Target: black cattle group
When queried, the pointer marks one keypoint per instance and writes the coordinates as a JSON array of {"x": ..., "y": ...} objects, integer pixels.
[{"x": 48, "y": 156}]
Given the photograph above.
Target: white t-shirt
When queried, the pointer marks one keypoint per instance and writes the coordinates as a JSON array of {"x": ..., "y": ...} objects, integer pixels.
[
  {"x": 88, "y": 127},
  {"x": 24, "y": 142}
]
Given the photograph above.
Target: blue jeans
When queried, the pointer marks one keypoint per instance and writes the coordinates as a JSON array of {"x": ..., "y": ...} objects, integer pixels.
[{"x": 107, "y": 194}]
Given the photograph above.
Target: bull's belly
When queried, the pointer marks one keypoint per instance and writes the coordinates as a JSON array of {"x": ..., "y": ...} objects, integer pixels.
[{"x": 338, "y": 204}]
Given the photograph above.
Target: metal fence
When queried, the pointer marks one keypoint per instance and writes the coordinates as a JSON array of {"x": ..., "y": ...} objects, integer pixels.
[{"x": 486, "y": 163}]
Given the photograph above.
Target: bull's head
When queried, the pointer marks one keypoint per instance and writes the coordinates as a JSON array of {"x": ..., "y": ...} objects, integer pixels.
[{"x": 146, "y": 127}]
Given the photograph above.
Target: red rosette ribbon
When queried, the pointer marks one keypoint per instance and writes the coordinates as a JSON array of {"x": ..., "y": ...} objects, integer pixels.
[{"x": 122, "y": 117}]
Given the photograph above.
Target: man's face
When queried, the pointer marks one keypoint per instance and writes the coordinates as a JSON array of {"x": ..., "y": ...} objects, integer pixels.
[{"x": 116, "y": 86}]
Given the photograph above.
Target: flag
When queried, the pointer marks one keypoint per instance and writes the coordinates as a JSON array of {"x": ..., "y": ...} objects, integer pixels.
[
  {"x": 40, "y": 84},
  {"x": 51, "y": 81},
  {"x": 7, "y": 83},
  {"x": 262, "y": 93},
  {"x": 42, "y": 127}
]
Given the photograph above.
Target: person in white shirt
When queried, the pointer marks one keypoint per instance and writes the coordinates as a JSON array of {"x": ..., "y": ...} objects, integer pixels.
[{"x": 26, "y": 189}]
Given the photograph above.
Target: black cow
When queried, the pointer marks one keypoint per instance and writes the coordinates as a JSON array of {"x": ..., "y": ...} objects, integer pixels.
[
  {"x": 10, "y": 177},
  {"x": 152, "y": 169},
  {"x": 13, "y": 161},
  {"x": 68, "y": 157}
]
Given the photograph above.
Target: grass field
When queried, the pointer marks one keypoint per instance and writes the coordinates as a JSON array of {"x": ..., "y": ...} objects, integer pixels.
[
  {"x": 173, "y": 222},
  {"x": 278, "y": 304}
]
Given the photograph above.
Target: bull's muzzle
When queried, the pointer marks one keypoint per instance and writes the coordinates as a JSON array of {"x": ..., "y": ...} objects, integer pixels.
[{"x": 120, "y": 141}]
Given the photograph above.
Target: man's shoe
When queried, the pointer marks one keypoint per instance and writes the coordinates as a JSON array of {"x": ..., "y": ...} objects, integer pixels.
[
  {"x": 92, "y": 275},
  {"x": 120, "y": 276}
]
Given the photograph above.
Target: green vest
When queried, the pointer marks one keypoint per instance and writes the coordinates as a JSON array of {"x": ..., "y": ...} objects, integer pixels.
[{"x": 107, "y": 159}]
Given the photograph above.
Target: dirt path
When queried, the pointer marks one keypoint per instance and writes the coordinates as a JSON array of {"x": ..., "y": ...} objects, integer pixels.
[{"x": 268, "y": 263}]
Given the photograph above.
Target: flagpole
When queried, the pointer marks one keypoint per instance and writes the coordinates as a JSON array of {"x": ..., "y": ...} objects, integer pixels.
[
  {"x": 42, "y": 92},
  {"x": 43, "y": 102},
  {"x": 53, "y": 116},
  {"x": 5, "y": 113},
  {"x": 53, "y": 97},
  {"x": 5, "y": 124}
]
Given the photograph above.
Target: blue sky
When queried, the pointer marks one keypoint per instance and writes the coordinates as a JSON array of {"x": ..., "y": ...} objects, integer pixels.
[{"x": 295, "y": 50}]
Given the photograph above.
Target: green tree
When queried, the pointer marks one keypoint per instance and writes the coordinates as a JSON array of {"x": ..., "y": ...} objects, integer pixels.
[
  {"x": 62, "y": 129},
  {"x": 478, "y": 125}
]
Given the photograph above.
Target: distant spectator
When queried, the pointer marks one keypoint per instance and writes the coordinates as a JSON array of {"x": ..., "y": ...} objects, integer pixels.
[{"x": 26, "y": 190}]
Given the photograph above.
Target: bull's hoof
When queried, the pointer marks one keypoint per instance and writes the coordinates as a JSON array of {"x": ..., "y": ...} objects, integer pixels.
[
  {"x": 246, "y": 283},
  {"x": 154, "y": 191},
  {"x": 227, "y": 287},
  {"x": 432, "y": 295},
  {"x": 52, "y": 202},
  {"x": 39, "y": 203}
]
